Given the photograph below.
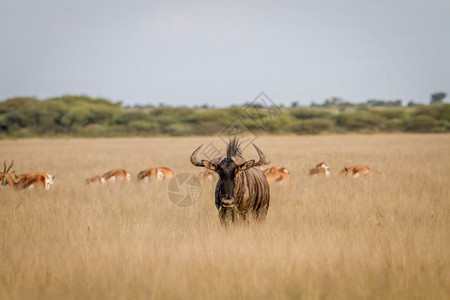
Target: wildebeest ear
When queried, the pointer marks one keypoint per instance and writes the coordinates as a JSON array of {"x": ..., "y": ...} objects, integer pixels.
[
  {"x": 247, "y": 165},
  {"x": 209, "y": 165}
]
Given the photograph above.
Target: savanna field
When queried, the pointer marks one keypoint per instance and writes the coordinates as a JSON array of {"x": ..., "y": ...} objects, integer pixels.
[{"x": 365, "y": 238}]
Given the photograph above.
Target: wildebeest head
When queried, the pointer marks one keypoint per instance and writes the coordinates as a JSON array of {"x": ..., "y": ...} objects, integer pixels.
[{"x": 228, "y": 169}]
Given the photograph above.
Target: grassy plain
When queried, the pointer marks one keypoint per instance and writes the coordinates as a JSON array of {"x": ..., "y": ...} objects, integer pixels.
[{"x": 323, "y": 239}]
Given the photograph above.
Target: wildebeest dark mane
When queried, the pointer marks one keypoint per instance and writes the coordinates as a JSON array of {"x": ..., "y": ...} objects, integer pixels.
[{"x": 233, "y": 148}]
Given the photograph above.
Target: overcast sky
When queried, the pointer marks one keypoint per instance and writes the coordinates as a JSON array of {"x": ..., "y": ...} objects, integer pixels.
[{"x": 225, "y": 52}]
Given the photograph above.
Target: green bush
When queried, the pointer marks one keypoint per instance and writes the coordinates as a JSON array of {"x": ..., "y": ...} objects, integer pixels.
[
  {"x": 312, "y": 126},
  {"x": 310, "y": 113},
  {"x": 359, "y": 120},
  {"x": 392, "y": 125},
  {"x": 93, "y": 130},
  {"x": 422, "y": 123},
  {"x": 127, "y": 117},
  {"x": 13, "y": 104},
  {"x": 85, "y": 116},
  {"x": 389, "y": 113},
  {"x": 143, "y": 127}
]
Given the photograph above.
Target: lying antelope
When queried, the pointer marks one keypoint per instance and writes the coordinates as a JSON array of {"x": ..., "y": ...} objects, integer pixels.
[
  {"x": 265, "y": 166},
  {"x": 155, "y": 174},
  {"x": 26, "y": 180},
  {"x": 359, "y": 171},
  {"x": 111, "y": 176},
  {"x": 321, "y": 169},
  {"x": 346, "y": 171},
  {"x": 278, "y": 175}
]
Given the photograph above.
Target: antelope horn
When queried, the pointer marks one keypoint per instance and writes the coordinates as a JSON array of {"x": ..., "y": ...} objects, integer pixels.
[
  {"x": 4, "y": 167},
  {"x": 194, "y": 158},
  {"x": 262, "y": 157},
  {"x": 9, "y": 167}
]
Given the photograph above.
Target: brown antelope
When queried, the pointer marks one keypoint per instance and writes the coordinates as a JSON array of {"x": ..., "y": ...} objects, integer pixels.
[
  {"x": 155, "y": 174},
  {"x": 321, "y": 170},
  {"x": 207, "y": 175},
  {"x": 26, "y": 180},
  {"x": 346, "y": 171},
  {"x": 278, "y": 175},
  {"x": 111, "y": 176},
  {"x": 265, "y": 167},
  {"x": 49, "y": 179},
  {"x": 95, "y": 179},
  {"x": 359, "y": 171}
]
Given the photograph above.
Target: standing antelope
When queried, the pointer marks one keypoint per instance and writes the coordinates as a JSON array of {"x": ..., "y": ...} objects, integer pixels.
[
  {"x": 155, "y": 174},
  {"x": 111, "y": 176},
  {"x": 49, "y": 179},
  {"x": 26, "y": 180},
  {"x": 242, "y": 190},
  {"x": 321, "y": 169}
]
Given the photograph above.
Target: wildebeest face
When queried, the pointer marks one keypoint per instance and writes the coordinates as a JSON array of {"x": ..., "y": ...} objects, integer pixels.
[{"x": 228, "y": 170}]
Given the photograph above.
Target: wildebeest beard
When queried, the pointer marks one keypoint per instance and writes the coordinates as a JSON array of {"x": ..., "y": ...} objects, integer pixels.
[{"x": 242, "y": 191}]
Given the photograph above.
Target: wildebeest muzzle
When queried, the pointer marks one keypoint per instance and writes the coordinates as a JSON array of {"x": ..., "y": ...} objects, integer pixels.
[{"x": 227, "y": 202}]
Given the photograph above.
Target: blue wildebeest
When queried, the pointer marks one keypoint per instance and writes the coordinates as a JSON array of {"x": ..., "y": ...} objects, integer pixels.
[{"x": 242, "y": 191}]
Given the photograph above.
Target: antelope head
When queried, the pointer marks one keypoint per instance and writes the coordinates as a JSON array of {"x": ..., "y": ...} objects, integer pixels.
[{"x": 5, "y": 172}]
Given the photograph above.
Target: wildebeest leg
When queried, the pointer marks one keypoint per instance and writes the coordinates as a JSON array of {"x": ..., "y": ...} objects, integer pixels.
[{"x": 226, "y": 215}]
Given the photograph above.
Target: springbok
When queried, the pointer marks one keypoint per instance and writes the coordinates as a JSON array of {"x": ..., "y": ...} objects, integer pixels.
[
  {"x": 359, "y": 171},
  {"x": 155, "y": 174},
  {"x": 321, "y": 169},
  {"x": 95, "y": 179},
  {"x": 111, "y": 176},
  {"x": 278, "y": 175},
  {"x": 265, "y": 166},
  {"x": 242, "y": 190},
  {"x": 26, "y": 180},
  {"x": 49, "y": 179},
  {"x": 346, "y": 171}
]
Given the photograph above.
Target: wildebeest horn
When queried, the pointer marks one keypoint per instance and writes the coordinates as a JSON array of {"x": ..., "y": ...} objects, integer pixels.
[
  {"x": 262, "y": 157},
  {"x": 194, "y": 158}
]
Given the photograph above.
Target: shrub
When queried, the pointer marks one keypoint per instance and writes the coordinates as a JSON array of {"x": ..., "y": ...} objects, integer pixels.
[
  {"x": 313, "y": 126},
  {"x": 310, "y": 113},
  {"x": 422, "y": 123},
  {"x": 359, "y": 120},
  {"x": 93, "y": 130},
  {"x": 143, "y": 127}
]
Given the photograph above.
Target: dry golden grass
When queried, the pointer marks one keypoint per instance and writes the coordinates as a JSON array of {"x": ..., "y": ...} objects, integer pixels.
[{"x": 335, "y": 239}]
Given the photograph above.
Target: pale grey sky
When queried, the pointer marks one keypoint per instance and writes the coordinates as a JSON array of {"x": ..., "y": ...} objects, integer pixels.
[{"x": 224, "y": 52}]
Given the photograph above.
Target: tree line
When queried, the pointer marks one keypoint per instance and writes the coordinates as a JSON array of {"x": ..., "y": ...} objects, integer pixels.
[{"x": 83, "y": 116}]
